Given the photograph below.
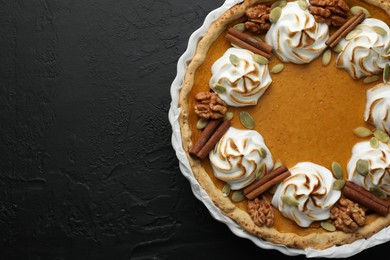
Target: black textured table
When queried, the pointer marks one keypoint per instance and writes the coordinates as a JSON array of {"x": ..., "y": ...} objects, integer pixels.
[{"x": 87, "y": 170}]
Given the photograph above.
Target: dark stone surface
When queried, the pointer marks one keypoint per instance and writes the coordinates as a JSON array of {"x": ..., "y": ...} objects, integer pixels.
[{"x": 87, "y": 170}]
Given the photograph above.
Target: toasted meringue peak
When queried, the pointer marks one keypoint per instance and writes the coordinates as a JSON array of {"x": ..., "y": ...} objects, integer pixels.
[
  {"x": 377, "y": 112},
  {"x": 244, "y": 82},
  {"x": 312, "y": 186},
  {"x": 236, "y": 158},
  {"x": 365, "y": 54},
  {"x": 296, "y": 37},
  {"x": 378, "y": 159}
]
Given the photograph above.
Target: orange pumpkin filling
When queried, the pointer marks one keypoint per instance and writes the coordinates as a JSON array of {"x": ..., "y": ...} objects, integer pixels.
[{"x": 307, "y": 114}]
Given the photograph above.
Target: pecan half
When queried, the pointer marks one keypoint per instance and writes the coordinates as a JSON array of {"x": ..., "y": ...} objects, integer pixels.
[
  {"x": 347, "y": 215},
  {"x": 209, "y": 105},
  {"x": 260, "y": 209}
]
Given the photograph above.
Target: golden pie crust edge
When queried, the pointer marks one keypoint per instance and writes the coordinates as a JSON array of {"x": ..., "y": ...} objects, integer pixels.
[{"x": 227, "y": 208}]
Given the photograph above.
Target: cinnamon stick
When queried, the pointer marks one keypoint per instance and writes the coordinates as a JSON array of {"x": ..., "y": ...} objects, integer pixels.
[
  {"x": 366, "y": 198},
  {"x": 250, "y": 39},
  {"x": 368, "y": 194},
  {"x": 261, "y": 189},
  {"x": 204, "y": 136},
  {"x": 233, "y": 39},
  {"x": 214, "y": 138},
  {"x": 265, "y": 178},
  {"x": 345, "y": 29}
]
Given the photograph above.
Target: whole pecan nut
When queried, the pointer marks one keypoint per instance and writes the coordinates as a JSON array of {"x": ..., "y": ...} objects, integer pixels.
[
  {"x": 347, "y": 215},
  {"x": 261, "y": 212},
  {"x": 209, "y": 105}
]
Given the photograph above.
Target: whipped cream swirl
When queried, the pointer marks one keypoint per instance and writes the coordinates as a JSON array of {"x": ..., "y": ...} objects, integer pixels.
[
  {"x": 296, "y": 37},
  {"x": 377, "y": 110},
  {"x": 236, "y": 158},
  {"x": 365, "y": 54},
  {"x": 244, "y": 82},
  {"x": 311, "y": 185},
  {"x": 378, "y": 159}
]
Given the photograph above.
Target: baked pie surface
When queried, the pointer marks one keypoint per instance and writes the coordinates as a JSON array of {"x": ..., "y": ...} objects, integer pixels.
[{"x": 306, "y": 115}]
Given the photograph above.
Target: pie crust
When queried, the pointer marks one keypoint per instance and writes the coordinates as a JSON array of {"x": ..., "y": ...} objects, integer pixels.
[{"x": 315, "y": 238}]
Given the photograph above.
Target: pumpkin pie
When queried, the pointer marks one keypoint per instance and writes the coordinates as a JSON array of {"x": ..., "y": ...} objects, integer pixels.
[{"x": 284, "y": 119}]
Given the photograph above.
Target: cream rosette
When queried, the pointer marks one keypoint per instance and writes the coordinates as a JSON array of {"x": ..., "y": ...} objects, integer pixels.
[
  {"x": 378, "y": 160},
  {"x": 296, "y": 36},
  {"x": 244, "y": 81},
  {"x": 237, "y": 157},
  {"x": 311, "y": 185},
  {"x": 365, "y": 52},
  {"x": 377, "y": 112}
]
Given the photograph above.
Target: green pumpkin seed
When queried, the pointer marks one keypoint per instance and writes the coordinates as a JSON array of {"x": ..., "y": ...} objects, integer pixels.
[
  {"x": 260, "y": 170},
  {"x": 353, "y": 34},
  {"x": 338, "y": 48},
  {"x": 273, "y": 189},
  {"x": 256, "y": 38},
  {"x": 263, "y": 152},
  {"x": 240, "y": 27},
  {"x": 328, "y": 226},
  {"x": 355, "y": 9},
  {"x": 215, "y": 150},
  {"x": 362, "y": 26},
  {"x": 234, "y": 60},
  {"x": 202, "y": 123},
  {"x": 370, "y": 79},
  {"x": 275, "y": 14},
  {"x": 362, "y": 167},
  {"x": 362, "y": 131},
  {"x": 277, "y": 164},
  {"x": 386, "y": 73},
  {"x": 219, "y": 88},
  {"x": 260, "y": 59},
  {"x": 338, "y": 184},
  {"x": 374, "y": 142},
  {"x": 247, "y": 120},
  {"x": 379, "y": 30},
  {"x": 326, "y": 57},
  {"x": 302, "y": 4},
  {"x": 290, "y": 200},
  {"x": 226, "y": 190},
  {"x": 238, "y": 196},
  {"x": 381, "y": 136},
  {"x": 281, "y": 4},
  {"x": 228, "y": 116},
  {"x": 277, "y": 68},
  {"x": 337, "y": 170},
  {"x": 378, "y": 192},
  {"x": 387, "y": 50}
]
